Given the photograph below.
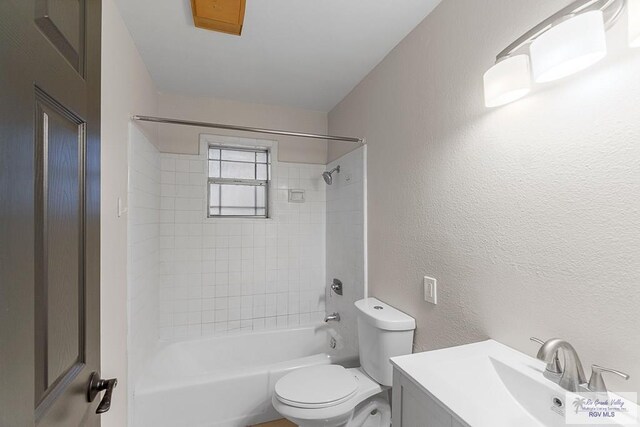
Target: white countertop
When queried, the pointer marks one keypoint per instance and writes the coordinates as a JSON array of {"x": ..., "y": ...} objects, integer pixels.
[{"x": 487, "y": 384}]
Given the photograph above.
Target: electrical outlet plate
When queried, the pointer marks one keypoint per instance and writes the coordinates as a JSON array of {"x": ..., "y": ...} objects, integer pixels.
[{"x": 430, "y": 290}]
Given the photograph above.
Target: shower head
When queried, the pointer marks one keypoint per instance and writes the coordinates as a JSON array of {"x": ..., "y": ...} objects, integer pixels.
[{"x": 327, "y": 175}]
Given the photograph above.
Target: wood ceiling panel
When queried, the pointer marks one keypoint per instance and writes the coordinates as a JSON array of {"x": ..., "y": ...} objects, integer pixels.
[{"x": 226, "y": 16}]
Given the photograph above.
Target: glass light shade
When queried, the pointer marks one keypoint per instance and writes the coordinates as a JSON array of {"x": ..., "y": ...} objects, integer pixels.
[
  {"x": 507, "y": 81},
  {"x": 569, "y": 47},
  {"x": 634, "y": 23}
]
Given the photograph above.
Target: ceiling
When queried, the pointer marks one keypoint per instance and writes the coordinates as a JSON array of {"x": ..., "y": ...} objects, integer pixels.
[{"x": 299, "y": 53}]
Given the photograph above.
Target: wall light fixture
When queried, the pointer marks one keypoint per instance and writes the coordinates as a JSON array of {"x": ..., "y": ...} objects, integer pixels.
[{"x": 563, "y": 44}]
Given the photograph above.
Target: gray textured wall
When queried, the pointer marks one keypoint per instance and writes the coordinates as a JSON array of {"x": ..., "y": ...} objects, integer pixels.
[{"x": 528, "y": 215}]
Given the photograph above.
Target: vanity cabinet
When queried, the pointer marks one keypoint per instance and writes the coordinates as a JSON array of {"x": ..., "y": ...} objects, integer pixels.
[{"x": 414, "y": 407}]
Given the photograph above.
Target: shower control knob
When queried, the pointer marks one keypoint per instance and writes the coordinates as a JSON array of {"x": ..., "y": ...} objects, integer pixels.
[{"x": 336, "y": 287}]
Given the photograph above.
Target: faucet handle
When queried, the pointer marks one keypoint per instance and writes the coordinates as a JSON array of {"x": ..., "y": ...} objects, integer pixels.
[
  {"x": 596, "y": 383},
  {"x": 553, "y": 366}
]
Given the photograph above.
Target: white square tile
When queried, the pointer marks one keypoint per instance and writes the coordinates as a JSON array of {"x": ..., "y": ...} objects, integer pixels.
[
  {"x": 249, "y": 274},
  {"x": 168, "y": 164},
  {"x": 196, "y": 166},
  {"x": 182, "y": 165},
  {"x": 270, "y": 323},
  {"x": 221, "y": 315}
]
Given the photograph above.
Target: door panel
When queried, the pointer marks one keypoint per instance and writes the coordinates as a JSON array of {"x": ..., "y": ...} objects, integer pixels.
[
  {"x": 62, "y": 21},
  {"x": 59, "y": 245},
  {"x": 63, "y": 284},
  {"x": 49, "y": 211}
]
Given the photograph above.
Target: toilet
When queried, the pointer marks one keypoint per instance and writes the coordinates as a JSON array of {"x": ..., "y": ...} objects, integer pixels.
[{"x": 331, "y": 395}]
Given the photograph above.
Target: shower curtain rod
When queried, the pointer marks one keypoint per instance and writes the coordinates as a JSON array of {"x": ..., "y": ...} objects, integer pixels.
[{"x": 247, "y": 129}]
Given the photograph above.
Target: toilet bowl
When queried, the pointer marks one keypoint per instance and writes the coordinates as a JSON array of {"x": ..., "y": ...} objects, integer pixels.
[{"x": 331, "y": 395}]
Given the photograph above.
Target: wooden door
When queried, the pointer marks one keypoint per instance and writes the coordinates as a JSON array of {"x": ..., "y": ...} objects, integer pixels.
[{"x": 49, "y": 211}]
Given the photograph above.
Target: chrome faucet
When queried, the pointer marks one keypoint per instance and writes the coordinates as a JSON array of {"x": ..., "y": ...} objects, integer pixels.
[
  {"x": 333, "y": 317},
  {"x": 572, "y": 373},
  {"x": 553, "y": 370}
]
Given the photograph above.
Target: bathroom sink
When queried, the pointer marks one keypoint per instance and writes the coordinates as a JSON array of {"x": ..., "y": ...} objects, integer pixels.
[{"x": 490, "y": 384}]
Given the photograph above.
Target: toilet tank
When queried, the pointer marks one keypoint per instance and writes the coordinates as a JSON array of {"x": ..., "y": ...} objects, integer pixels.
[{"x": 383, "y": 332}]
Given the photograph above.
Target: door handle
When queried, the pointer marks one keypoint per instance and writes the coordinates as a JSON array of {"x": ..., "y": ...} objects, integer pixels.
[{"x": 96, "y": 385}]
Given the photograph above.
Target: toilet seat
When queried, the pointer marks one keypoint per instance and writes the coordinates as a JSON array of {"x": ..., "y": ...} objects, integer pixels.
[
  {"x": 331, "y": 413},
  {"x": 317, "y": 387}
]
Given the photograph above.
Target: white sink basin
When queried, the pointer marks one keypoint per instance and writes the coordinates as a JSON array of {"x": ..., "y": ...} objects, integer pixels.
[{"x": 490, "y": 384}]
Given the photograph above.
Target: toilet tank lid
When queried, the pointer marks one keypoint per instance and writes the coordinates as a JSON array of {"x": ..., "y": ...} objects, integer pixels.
[{"x": 383, "y": 316}]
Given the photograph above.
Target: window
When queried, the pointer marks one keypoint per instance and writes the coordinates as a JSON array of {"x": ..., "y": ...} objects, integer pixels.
[{"x": 238, "y": 182}]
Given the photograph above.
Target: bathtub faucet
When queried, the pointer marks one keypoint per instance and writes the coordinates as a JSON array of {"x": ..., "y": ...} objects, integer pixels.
[{"x": 333, "y": 317}]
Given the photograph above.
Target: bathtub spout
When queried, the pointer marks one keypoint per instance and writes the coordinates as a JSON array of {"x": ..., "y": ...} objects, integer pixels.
[{"x": 333, "y": 317}]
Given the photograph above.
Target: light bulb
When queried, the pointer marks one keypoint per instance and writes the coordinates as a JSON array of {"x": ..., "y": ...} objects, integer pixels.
[
  {"x": 569, "y": 47},
  {"x": 507, "y": 81}
]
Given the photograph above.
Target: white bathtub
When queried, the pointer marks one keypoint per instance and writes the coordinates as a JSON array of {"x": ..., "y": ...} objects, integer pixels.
[{"x": 223, "y": 381}]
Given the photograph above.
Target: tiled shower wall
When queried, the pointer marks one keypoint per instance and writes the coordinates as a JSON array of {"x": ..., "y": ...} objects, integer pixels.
[
  {"x": 143, "y": 242},
  {"x": 225, "y": 275},
  {"x": 345, "y": 245}
]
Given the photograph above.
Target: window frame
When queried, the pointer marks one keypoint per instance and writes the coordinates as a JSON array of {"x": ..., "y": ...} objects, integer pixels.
[{"x": 239, "y": 181}]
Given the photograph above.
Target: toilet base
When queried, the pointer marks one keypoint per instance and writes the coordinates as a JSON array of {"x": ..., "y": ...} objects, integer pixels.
[
  {"x": 364, "y": 413},
  {"x": 373, "y": 412}
]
